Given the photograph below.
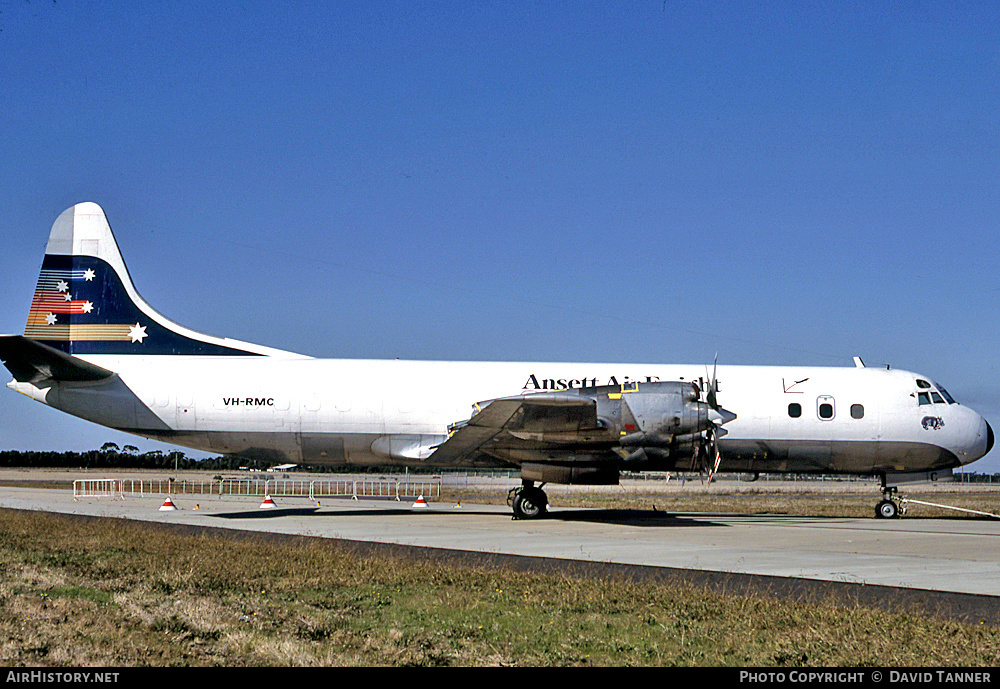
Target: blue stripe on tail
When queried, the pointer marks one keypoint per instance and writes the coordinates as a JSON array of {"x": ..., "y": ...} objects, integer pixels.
[{"x": 81, "y": 307}]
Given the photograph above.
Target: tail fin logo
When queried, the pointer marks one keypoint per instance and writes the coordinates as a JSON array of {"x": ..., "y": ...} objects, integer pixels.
[
  {"x": 81, "y": 306},
  {"x": 85, "y": 302},
  {"x": 56, "y": 315}
]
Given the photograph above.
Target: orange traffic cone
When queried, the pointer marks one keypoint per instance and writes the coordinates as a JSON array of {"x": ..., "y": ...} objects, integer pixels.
[
  {"x": 420, "y": 502},
  {"x": 268, "y": 503},
  {"x": 168, "y": 505}
]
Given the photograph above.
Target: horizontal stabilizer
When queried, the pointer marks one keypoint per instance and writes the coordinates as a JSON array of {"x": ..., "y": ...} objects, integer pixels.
[{"x": 30, "y": 362}]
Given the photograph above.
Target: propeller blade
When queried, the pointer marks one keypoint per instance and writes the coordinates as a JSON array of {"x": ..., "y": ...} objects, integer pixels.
[
  {"x": 713, "y": 403},
  {"x": 715, "y": 456}
]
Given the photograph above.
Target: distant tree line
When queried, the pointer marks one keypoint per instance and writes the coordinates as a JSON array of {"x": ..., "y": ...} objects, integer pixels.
[{"x": 110, "y": 456}]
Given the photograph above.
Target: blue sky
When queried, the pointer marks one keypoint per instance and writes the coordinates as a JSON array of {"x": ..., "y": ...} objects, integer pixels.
[{"x": 555, "y": 181}]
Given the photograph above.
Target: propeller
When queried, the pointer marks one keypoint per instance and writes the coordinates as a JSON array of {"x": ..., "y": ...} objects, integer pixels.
[
  {"x": 709, "y": 445},
  {"x": 713, "y": 403},
  {"x": 712, "y": 442}
]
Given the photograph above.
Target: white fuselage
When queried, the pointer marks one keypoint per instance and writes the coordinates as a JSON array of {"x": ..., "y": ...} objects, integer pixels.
[{"x": 856, "y": 420}]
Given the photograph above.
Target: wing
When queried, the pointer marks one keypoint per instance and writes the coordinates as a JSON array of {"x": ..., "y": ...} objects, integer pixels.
[{"x": 511, "y": 427}]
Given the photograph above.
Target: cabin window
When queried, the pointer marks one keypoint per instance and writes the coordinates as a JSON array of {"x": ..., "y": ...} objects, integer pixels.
[
  {"x": 857, "y": 411},
  {"x": 795, "y": 410},
  {"x": 923, "y": 398},
  {"x": 825, "y": 408}
]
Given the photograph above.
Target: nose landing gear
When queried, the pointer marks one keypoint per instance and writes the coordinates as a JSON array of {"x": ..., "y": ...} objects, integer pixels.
[{"x": 888, "y": 507}]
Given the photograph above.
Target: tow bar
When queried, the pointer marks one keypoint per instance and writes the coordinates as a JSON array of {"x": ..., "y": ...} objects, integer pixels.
[{"x": 946, "y": 507}]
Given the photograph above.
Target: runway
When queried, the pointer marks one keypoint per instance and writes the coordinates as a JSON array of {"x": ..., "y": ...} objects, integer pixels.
[{"x": 946, "y": 555}]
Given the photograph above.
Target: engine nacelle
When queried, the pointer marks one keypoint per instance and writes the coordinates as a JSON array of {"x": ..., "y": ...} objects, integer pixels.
[
  {"x": 651, "y": 414},
  {"x": 561, "y": 438}
]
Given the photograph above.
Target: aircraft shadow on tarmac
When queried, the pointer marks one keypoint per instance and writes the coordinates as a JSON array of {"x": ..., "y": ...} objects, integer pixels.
[
  {"x": 623, "y": 517},
  {"x": 659, "y": 518},
  {"x": 647, "y": 518},
  {"x": 251, "y": 513},
  {"x": 269, "y": 514},
  {"x": 644, "y": 518}
]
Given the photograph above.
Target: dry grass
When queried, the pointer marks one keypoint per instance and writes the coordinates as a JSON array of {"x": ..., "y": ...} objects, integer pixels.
[
  {"x": 805, "y": 498},
  {"x": 113, "y": 592}
]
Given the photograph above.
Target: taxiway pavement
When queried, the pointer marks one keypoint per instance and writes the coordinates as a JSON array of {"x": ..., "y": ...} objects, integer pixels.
[{"x": 952, "y": 555}]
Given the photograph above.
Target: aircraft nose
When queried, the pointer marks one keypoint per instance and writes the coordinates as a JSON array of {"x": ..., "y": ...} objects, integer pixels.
[{"x": 983, "y": 442}]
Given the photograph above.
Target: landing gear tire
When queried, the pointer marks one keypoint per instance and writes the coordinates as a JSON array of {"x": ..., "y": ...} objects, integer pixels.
[
  {"x": 886, "y": 509},
  {"x": 529, "y": 503}
]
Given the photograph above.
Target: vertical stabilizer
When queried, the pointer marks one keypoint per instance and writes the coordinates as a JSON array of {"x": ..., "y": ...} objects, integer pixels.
[{"x": 85, "y": 302}]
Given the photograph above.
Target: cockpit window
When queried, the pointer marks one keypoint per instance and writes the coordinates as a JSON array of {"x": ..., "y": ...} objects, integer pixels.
[
  {"x": 951, "y": 400},
  {"x": 935, "y": 394}
]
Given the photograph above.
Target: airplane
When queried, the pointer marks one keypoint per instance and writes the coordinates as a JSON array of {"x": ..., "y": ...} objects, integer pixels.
[{"x": 93, "y": 348}]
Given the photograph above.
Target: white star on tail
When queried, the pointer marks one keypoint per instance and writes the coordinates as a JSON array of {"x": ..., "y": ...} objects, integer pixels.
[
  {"x": 89, "y": 275},
  {"x": 137, "y": 332},
  {"x": 62, "y": 286},
  {"x": 50, "y": 319}
]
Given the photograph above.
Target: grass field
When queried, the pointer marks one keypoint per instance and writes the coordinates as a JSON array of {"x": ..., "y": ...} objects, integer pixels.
[{"x": 121, "y": 593}]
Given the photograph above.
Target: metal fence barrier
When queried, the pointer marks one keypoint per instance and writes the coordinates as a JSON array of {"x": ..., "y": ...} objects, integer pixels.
[{"x": 320, "y": 488}]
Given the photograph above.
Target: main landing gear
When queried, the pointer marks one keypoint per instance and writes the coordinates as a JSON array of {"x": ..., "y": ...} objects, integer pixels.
[{"x": 528, "y": 502}]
